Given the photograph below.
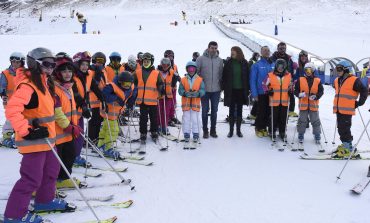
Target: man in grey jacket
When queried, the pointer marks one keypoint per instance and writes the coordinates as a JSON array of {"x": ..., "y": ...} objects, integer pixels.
[{"x": 210, "y": 67}]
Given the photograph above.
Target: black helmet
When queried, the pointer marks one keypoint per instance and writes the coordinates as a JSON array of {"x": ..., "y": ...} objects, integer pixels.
[
  {"x": 140, "y": 55},
  {"x": 98, "y": 55},
  {"x": 279, "y": 63},
  {"x": 35, "y": 55},
  {"x": 167, "y": 53},
  {"x": 148, "y": 56},
  {"x": 125, "y": 77}
]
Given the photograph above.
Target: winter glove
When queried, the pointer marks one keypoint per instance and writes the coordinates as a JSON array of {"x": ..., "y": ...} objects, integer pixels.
[
  {"x": 187, "y": 94},
  {"x": 313, "y": 97},
  {"x": 5, "y": 99},
  {"x": 271, "y": 92},
  {"x": 255, "y": 99},
  {"x": 86, "y": 112},
  {"x": 39, "y": 132},
  {"x": 302, "y": 95},
  {"x": 98, "y": 73},
  {"x": 194, "y": 94},
  {"x": 75, "y": 130}
]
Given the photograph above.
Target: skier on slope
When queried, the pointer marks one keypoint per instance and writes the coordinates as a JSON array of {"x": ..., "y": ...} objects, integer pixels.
[
  {"x": 118, "y": 94},
  {"x": 31, "y": 113},
  {"x": 171, "y": 55},
  {"x": 166, "y": 102},
  {"x": 83, "y": 84},
  {"x": 281, "y": 54},
  {"x": 100, "y": 78},
  {"x": 66, "y": 120},
  {"x": 347, "y": 89},
  {"x": 191, "y": 89},
  {"x": 150, "y": 86},
  {"x": 309, "y": 90},
  {"x": 278, "y": 84},
  {"x": 7, "y": 86},
  {"x": 114, "y": 67}
]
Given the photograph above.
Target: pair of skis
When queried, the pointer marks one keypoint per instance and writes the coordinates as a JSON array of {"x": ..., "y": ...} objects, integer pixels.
[{"x": 192, "y": 145}]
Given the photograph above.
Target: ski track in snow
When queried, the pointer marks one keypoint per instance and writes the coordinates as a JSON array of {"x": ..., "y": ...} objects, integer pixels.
[{"x": 224, "y": 180}]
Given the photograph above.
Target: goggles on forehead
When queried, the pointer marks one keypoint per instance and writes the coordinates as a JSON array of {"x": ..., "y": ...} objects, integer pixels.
[
  {"x": 146, "y": 57},
  {"x": 126, "y": 84},
  {"x": 100, "y": 60},
  {"x": 12, "y": 59}
]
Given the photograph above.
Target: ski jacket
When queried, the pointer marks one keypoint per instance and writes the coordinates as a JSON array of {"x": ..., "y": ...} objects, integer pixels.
[
  {"x": 259, "y": 72},
  {"x": 210, "y": 69}
]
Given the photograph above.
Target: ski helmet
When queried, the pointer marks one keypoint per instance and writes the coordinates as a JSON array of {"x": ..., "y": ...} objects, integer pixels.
[
  {"x": 169, "y": 53},
  {"x": 148, "y": 56},
  {"x": 63, "y": 62},
  {"x": 125, "y": 79},
  {"x": 99, "y": 57},
  {"x": 35, "y": 56},
  {"x": 115, "y": 56},
  {"x": 311, "y": 66},
  {"x": 280, "y": 63},
  {"x": 303, "y": 53},
  {"x": 17, "y": 56},
  {"x": 345, "y": 65},
  {"x": 191, "y": 64},
  {"x": 82, "y": 56},
  {"x": 140, "y": 55},
  {"x": 131, "y": 62}
]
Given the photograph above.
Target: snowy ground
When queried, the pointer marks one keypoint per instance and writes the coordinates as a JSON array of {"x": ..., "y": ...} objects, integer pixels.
[{"x": 225, "y": 180}]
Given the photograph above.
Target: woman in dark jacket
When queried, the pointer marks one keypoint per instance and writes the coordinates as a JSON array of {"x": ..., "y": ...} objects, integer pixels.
[{"x": 235, "y": 83}]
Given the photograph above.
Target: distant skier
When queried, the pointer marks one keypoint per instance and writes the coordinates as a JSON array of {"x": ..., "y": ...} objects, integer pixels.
[
  {"x": 7, "y": 87},
  {"x": 191, "y": 89},
  {"x": 347, "y": 89},
  {"x": 309, "y": 90}
]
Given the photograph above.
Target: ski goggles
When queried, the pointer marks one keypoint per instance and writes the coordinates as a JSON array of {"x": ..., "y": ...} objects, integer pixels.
[
  {"x": 308, "y": 70},
  {"x": 15, "y": 59},
  {"x": 169, "y": 56},
  {"x": 339, "y": 68},
  {"x": 147, "y": 57},
  {"x": 47, "y": 64},
  {"x": 117, "y": 59},
  {"x": 99, "y": 60},
  {"x": 126, "y": 84}
]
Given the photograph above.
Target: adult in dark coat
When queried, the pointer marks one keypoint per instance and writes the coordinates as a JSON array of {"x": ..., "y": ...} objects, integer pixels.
[{"x": 235, "y": 83}]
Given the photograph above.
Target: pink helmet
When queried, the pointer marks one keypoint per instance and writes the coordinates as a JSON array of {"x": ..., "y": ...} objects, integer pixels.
[{"x": 82, "y": 56}]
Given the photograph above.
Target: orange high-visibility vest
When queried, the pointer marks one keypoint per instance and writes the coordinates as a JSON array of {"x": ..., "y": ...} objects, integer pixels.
[
  {"x": 45, "y": 114},
  {"x": 81, "y": 89},
  {"x": 191, "y": 103},
  {"x": 111, "y": 72},
  {"x": 94, "y": 101},
  {"x": 114, "y": 109},
  {"x": 345, "y": 97},
  {"x": 305, "y": 103},
  {"x": 69, "y": 109},
  {"x": 10, "y": 83},
  {"x": 280, "y": 88},
  {"x": 147, "y": 92},
  {"x": 168, "y": 82}
]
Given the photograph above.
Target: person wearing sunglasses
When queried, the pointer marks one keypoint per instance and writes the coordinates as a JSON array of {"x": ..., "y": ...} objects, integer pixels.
[
  {"x": 114, "y": 67},
  {"x": 173, "y": 120},
  {"x": 309, "y": 90},
  {"x": 210, "y": 67},
  {"x": 7, "y": 87},
  {"x": 31, "y": 113},
  {"x": 118, "y": 94},
  {"x": 150, "y": 86},
  {"x": 278, "y": 84},
  {"x": 100, "y": 78},
  {"x": 281, "y": 54},
  {"x": 350, "y": 93},
  {"x": 83, "y": 84}
]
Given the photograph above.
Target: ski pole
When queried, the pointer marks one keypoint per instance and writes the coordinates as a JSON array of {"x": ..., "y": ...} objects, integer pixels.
[
  {"x": 335, "y": 131},
  {"x": 362, "y": 120},
  {"x": 322, "y": 129},
  {"x": 123, "y": 180},
  {"x": 197, "y": 114},
  {"x": 353, "y": 151},
  {"x": 73, "y": 180},
  {"x": 286, "y": 126},
  {"x": 295, "y": 130},
  {"x": 272, "y": 124},
  {"x": 165, "y": 119},
  {"x": 86, "y": 149}
]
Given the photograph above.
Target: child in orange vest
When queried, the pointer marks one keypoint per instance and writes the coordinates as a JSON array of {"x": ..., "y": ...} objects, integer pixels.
[
  {"x": 309, "y": 90},
  {"x": 279, "y": 86},
  {"x": 118, "y": 93},
  {"x": 7, "y": 85},
  {"x": 191, "y": 89}
]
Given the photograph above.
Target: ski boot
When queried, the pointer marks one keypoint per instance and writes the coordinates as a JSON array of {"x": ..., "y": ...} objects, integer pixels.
[
  {"x": 344, "y": 151},
  {"x": 317, "y": 139},
  {"x": 195, "y": 141},
  {"x": 9, "y": 143},
  {"x": 56, "y": 205},
  {"x": 186, "y": 141},
  {"x": 283, "y": 136},
  {"x": 259, "y": 133},
  {"x": 28, "y": 218},
  {"x": 69, "y": 184},
  {"x": 142, "y": 149},
  {"x": 300, "y": 138},
  {"x": 112, "y": 153},
  {"x": 81, "y": 162},
  {"x": 292, "y": 114},
  {"x": 176, "y": 121},
  {"x": 265, "y": 133}
]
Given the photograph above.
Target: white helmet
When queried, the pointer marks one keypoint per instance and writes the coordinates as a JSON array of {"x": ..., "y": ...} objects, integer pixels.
[
  {"x": 17, "y": 56},
  {"x": 131, "y": 62},
  {"x": 310, "y": 65}
]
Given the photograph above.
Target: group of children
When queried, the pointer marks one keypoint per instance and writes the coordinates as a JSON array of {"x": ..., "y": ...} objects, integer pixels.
[{"x": 47, "y": 102}]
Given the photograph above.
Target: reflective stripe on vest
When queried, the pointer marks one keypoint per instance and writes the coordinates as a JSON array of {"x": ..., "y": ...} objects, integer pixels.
[
  {"x": 191, "y": 103},
  {"x": 81, "y": 88},
  {"x": 280, "y": 87},
  {"x": 345, "y": 97},
  {"x": 69, "y": 109},
  {"x": 305, "y": 103},
  {"x": 114, "y": 109},
  {"x": 45, "y": 113},
  {"x": 147, "y": 92},
  {"x": 94, "y": 101},
  {"x": 168, "y": 82}
]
